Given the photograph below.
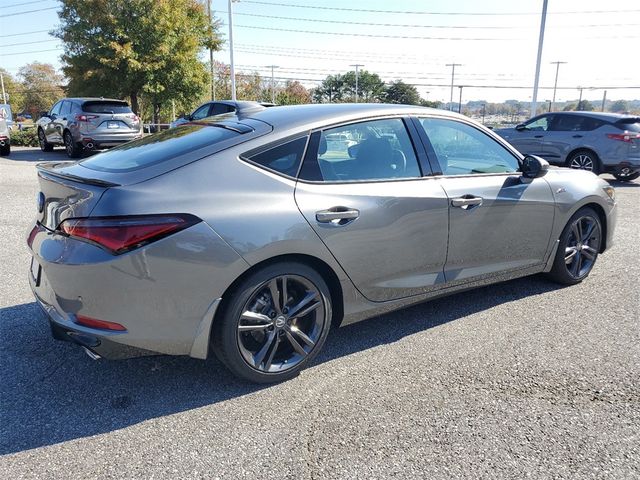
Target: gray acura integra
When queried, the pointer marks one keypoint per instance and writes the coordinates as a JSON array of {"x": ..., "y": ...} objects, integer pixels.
[{"x": 249, "y": 237}]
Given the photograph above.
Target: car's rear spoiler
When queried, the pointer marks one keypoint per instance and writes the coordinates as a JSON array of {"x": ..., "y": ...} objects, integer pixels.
[{"x": 56, "y": 169}]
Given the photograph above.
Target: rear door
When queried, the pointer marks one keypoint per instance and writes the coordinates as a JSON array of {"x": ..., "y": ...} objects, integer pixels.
[
  {"x": 367, "y": 201},
  {"x": 498, "y": 222},
  {"x": 565, "y": 133}
]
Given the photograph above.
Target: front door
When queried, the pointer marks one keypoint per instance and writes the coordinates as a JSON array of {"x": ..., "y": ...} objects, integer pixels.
[
  {"x": 529, "y": 139},
  {"x": 361, "y": 190},
  {"x": 498, "y": 220}
]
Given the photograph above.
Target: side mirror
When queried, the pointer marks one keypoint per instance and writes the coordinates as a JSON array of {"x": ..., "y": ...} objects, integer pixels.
[
  {"x": 188, "y": 117},
  {"x": 44, "y": 114},
  {"x": 534, "y": 167},
  {"x": 521, "y": 127}
]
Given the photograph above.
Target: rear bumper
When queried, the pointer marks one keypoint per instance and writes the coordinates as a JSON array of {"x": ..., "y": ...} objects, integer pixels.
[
  {"x": 626, "y": 167},
  {"x": 104, "y": 141}
]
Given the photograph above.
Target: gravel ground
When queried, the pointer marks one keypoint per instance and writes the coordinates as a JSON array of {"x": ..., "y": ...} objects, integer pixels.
[{"x": 520, "y": 379}]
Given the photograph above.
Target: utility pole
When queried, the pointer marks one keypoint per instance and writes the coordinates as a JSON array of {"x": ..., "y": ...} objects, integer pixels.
[
  {"x": 427, "y": 97},
  {"x": 453, "y": 73},
  {"x": 4, "y": 95},
  {"x": 357, "y": 65},
  {"x": 580, "y": 99},
  {"x": 604, "y": 100},
  {"x": 213, "y": 78},
  {"x": 543, "y": 19},
  {"x": 273, "y": 84},
  {"x": 460, "y": 100},
  {"x": 233, "y": 71},
  {"x": 555, "y": 85},
  {"x": 484, "y": 110}
]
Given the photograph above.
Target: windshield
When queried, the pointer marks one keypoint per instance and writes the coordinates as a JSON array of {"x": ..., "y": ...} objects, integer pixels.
[{"x": 157, "y": 148}]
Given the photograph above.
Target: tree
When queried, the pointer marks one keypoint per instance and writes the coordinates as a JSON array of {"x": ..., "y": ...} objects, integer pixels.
[
  {"x": 41, "y": 87},
  {"x": 585, "y": 106},
  {"x": 330, "y": 90},
  {"x": 134, "y": 48},
  {"x": 371, "y": 88},
  {"x": 13, "y": 89},
  {"x": 293, "y": 93},
  {"x": 400, "y": 92},
  {"x": 620, "y": 106}
]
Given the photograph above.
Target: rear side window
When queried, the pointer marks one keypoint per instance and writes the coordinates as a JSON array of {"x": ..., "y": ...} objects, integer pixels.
[
  {"x": 284, "y": 159},
  {"x": 106, "y": 107},
  {"x": 157, "y": 148},
  {"x": 66, "y": 108},
  {"x": 575, "y": 123},
  {"x": 220, "y": 108}
]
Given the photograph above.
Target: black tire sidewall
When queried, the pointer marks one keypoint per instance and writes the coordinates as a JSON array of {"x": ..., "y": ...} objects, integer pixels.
[
  {"x": 75, "y": 151},
  {"x": 42, "y": 141},
  {"x": 559, "y": 271},
  {"x": 627, "y": 178},
  {"x": 225, "y": 341}
]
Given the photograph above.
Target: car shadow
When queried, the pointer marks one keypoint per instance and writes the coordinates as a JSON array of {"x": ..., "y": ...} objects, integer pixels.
[{"x": 52, "y": 392}]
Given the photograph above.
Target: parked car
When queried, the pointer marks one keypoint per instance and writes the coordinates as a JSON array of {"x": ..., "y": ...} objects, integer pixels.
[
  {"x": 6, "y": 115},
  {"x": 598, "y": 142},
  {"x": 5, "y": 138},
  {"x": 82, "y": 124},
  {"x": 220, "y": 107},
  {"x": 249, "y": 237}
]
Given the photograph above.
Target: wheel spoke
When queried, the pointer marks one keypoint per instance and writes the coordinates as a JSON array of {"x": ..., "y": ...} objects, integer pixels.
[
  {"x": 275, "y": 295},
  {"x": 589, "y": 252},
  {"x": 294, "y": 343},
  {"x": 304, "y": 306},
  {"x": 260, "y": 321},
  {"x": 260, "y": 356},
  {"x": 569, "y": 254},
  {"x": 576, "y": 231},
  {"x": 269, "y": 361},
  {"x": 590, "y": 229},
  {"x": 285, "y": 293},
  {"x": 299, "y": 333},
  {"x": 576, "y": 265}
]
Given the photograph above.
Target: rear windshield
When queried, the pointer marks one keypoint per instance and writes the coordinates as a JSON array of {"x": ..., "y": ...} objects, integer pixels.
[
  {"x": 631, "y": 124},
  {"x": 157, "y": 148},
  {"x": 106, "y": 107}
]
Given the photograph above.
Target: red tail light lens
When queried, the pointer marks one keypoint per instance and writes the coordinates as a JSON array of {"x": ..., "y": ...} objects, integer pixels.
[
  {"x": 624, "y": 137},
  {"x": 85, "y": 118},
  {"x": 101, "y": 324},
  {"x": 122, "y": 234}
]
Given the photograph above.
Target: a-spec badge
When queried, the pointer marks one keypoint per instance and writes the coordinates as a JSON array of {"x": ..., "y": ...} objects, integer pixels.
[{"x": 40, "y": 202}]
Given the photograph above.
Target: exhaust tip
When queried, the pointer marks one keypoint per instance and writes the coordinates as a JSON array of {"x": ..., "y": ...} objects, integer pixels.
[
  {"x": 92, "y": 355},
  {"x": 90, "y": 145}
]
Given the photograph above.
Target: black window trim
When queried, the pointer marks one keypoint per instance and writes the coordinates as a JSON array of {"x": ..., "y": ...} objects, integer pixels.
[
  {"x": 517, "y": 155},
  {"x": 245, "y": 156},
  {"x": 413, "y": 138}
]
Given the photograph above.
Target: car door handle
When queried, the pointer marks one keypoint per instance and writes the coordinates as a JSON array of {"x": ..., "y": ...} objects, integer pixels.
[
  {"x": 337, "y": 215},
  {"x": 466, "y": 201},
  {"x": 538, "y": 136},
  {"x": 577, "y": 136}
]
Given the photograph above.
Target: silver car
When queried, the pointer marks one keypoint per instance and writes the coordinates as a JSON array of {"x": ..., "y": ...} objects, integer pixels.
[
  {"x": 593, "y": 141},
  {"x": 250, "y": 237},
  {"x": 5, "y": 138},
  {"x": 82, "y": 124}
]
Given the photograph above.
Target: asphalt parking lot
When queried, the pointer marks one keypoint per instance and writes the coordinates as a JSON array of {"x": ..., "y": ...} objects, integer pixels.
[{"x": 513, "y": 380}]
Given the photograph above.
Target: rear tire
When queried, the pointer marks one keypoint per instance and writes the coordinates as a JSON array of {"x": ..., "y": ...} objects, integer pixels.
[
  {"x": 626, "y": 178},
  {"x": 72, "y": 148},
  {"x": 263, "y": 337},
  {"x": 578, "y": 249},
  {"x": 5, "y": 151},
  {"x": 42, "y": 141},
  {"x": 584, "y": 160}
]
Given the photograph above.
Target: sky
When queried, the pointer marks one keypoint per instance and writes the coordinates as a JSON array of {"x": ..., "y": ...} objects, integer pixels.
[{"x": 495, "y": 41}]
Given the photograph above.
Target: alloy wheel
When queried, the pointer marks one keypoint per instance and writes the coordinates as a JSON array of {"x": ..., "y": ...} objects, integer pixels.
[
  {"x": 281, "y": 323},
  {"x": 582, "y": 161},
  {"x": 68, "y": 143},
  {"x": 41, "y": 140},
  {"x": 583, "y": 245}
]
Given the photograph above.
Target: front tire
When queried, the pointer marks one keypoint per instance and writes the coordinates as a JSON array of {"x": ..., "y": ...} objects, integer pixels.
[
  {"x": 578, "y": 248},
  {"x": 584, "y": 160},
  {"x": 42, "y": 141},
  {"x": 71, "y": 147},
  {"x": 5, "y": 150},
  {"x": 274, "y": 323}
]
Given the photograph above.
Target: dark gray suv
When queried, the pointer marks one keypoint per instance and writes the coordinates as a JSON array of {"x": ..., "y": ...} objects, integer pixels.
[
  {"x": 86, "y": 124},
  {"x": 598, "y": 142}
]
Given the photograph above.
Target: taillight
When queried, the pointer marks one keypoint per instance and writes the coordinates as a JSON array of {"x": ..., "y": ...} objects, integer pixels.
[
  {"x": 624, "y": 137},
  {"x": 122, "y": 234},
  {"x": 101, "y": 324},
  {"x": 32, "y": 234},
  {"x": 85, "y": 118},
  {"x": 134, "y": 117}
]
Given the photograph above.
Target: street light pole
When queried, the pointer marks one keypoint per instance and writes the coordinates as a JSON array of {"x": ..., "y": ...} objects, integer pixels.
[
  {"x": 555, "y": 85},
  {"x": 213, "y": 79},
  {"x": 273, "y": 84},
  {"x": 453, "y": 72},
  {"x": 460, "y": 100},
  {"x": 233, "y": 72},
  {"x": 534, "y": 100},
  {"x": 357, "y": 65},
  {"x": 580, "y": 99}
]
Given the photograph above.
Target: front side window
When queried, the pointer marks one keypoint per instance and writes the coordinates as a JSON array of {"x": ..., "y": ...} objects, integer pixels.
[
  {"x": 56, "y": 109},
  {"x": 200, "y": 113},
  {"x": 284, "y": 159},
  {"x": 462, "y": 149},
  {"x": 372, "y": 150},
  {"x": 538, "y": 125}
]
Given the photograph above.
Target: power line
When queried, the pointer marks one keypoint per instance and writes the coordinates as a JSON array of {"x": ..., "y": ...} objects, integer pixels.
[
  {"x": 23, "y": 33},
  {"x": 28, "y": 43},
  {"x": 405, "y": 12},
  {"x": 23, "y": 3},
  {"x": 27, "y": 11},
  {"x": 31, "y": 51}
]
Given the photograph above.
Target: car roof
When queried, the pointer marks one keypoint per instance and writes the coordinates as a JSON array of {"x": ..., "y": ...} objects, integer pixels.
[
  {"x": 312, "y": 115},
  {"x": 610, "y": 117},
  {"x": 94, "y": 99}
]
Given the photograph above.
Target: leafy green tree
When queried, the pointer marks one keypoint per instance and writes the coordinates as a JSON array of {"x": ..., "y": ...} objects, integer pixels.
[
  {"x": 400, "y": 92},
  {"x": 13, "y": 90},
  {"x": 371, "y": 88},
  {"x": 41, "y": 87},
  {"x": 620, "y": 106},
  {"x": 330, "y": 90},
  {"x": 293, "y": 93},
  {"x": 430, "y": 103},
  {"x": 585, "y": 106},
  {"x": 136, "y": 48}
]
